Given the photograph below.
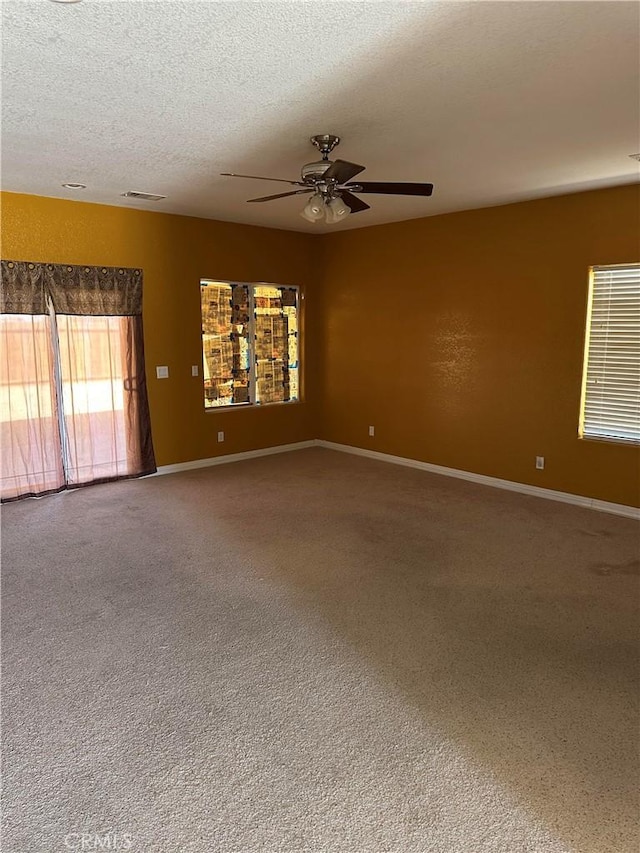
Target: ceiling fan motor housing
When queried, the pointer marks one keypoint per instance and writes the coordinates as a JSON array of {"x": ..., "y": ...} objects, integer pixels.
[{"x": 311, "y": 173}]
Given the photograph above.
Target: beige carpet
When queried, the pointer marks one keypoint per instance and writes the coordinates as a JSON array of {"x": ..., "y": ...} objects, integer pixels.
[{"x": 318, "y": 652}]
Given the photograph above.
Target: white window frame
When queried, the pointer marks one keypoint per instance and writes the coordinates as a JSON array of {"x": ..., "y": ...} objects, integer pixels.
[
  {"x": 610, "y": 426},
  {"x": 252, "y": 402}
]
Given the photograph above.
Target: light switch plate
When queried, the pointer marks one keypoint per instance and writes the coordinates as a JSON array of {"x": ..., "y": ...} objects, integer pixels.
[
  {"x": 162, "y": 372},
  {"x": 194, "y": 370}
]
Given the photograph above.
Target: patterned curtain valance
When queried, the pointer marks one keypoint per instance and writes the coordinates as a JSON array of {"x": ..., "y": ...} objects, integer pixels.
[
  {"x": 22, "y": 290},
  {"x": 87, "y": 291}
]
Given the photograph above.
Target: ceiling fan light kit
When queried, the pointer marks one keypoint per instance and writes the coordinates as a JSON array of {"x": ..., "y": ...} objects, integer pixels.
[
  {"x": 333, "y": 196},
  {"x": 331, "y": 210}
]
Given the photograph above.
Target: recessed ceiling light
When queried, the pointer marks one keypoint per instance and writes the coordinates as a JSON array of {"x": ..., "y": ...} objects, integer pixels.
[
  {"x": 635, "y": 156},
  {"x": 74, "y": 186}
]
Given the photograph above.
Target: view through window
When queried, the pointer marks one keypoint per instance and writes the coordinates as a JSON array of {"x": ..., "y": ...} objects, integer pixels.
[{"x": 250, "y": 343}]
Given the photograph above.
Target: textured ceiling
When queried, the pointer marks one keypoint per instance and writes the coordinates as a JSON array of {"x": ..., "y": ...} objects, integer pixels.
[{"x": 492, "y": 102}]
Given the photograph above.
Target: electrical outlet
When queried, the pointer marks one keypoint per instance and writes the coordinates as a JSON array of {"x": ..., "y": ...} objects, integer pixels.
[
  {"x": 194, "y": 370},
  {"x": 221, "y": 436},
  {"x": 540, "y": 463},
  {"x": 162, "y": 372},
  {"x": 372, "y": 430}
]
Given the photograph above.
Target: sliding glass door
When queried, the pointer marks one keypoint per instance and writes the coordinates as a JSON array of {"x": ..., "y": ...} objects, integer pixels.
[{"x": 73, "y": 394}]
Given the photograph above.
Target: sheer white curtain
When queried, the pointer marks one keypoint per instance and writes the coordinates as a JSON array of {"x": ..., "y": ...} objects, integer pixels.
[
  {"x": 29, "y": 425},
  {"x": 92, "y": 367}
]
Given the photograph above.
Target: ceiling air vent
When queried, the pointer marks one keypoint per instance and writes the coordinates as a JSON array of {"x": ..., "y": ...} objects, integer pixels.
[{"x": 143, "y": 196}]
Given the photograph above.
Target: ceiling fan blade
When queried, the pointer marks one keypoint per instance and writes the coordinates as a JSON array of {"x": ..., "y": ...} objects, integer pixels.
[
  {"x": 353, "y": 202},
  {"x": 261, "y": 178},
  {"x": 342, "y": 171},
  {"x": 281, "y": 195},
  {"x": 386, "y": 188}
]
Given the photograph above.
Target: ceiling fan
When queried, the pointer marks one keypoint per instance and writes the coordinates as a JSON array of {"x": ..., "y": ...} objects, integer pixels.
[{"x": 329, "y": 180}]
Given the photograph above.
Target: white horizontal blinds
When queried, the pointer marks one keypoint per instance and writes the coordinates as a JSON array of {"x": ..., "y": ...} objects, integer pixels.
[{"x": 611, "y": 397}]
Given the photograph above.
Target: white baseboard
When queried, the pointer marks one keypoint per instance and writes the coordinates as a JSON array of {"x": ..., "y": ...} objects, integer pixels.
[
  {"x": 523, "y": 488},
  {"x": 231, "y": 457},
  {"x": 482, "y": 479}
]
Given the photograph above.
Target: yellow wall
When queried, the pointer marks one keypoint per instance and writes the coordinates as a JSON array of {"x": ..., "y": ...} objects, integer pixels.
[
  {"x": 460, "y": 338},
  {"x": 174, "y": 253}
]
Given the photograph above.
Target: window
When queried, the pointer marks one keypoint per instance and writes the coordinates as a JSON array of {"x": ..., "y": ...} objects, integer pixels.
[
  {"x": 249, "y": 343},
  {"x": 610, "y": 407}
]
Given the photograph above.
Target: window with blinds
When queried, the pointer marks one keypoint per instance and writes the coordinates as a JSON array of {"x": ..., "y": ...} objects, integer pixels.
[{"x": 610, "y": 406}]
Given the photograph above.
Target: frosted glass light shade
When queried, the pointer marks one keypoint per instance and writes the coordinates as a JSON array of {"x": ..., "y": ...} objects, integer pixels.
[
  {"x": 337, "y": 210},
  {"x": 314, "y": 209}
]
